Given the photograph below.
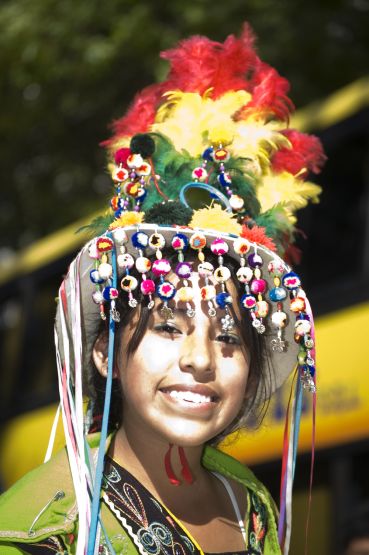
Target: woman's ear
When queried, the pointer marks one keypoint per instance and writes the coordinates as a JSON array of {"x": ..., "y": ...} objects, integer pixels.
[{"x": 100, "y": 354}]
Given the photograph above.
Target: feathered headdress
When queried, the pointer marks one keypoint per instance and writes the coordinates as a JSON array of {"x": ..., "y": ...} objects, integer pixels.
[{"x": 223, "y": 96}]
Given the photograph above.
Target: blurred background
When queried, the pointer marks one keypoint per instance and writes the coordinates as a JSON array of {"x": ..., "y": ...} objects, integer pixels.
[{"x": 67, "y": 70}]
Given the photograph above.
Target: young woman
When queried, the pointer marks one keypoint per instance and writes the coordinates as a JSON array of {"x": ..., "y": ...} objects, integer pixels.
[{"x": 178, "y": 321}]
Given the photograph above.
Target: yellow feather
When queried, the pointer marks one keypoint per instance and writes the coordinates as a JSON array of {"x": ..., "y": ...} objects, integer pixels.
[
  {"x": 193, "y": 122},
  {"x": 285, "y": 189}
]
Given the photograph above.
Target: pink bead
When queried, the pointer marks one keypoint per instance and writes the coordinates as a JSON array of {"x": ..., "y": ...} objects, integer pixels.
[
  {"x": 147, "y": 286},
  {"x": 219, "y": 247},
  {"x": 258, "y": 286},
  {"x": 161, "y": 267}
]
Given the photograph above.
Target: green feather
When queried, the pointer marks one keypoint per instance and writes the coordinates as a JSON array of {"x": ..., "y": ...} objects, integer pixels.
[{"x": 98, "y": 226}]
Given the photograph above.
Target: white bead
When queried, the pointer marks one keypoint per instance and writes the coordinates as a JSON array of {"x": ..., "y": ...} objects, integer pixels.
[
  {"x": 97, "y": 297},
  {"x": 244, "y": 274},
  {"x": 119, "y": 235},
  {"x": 125, "y": 261},
  {"x": 105, "y": 270},
  {"x": 279, "y": 319}
]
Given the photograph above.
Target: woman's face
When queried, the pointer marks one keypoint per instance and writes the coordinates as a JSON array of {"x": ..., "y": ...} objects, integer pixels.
[{"x": 187, "y": 379}]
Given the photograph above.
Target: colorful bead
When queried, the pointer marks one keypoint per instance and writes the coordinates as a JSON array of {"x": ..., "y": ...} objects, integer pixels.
[
  {"x": 93, "y": 252},
  {"x": 144, "y": 169},
  {"x": 208, "y": 154},
  {"x": 183, "y": 270},
  {"x": 156, "y": 241},
  {"x": 147, "y": 286},
  {"x": 223, "y": 299},
  {"x": 179, "y": 242},
  {"x": 125, "y": 261},
  {"x": 198, "y": 241},
  {"x": 119, "y": 175},
  {"x": 261, "y": 309},
  {"x": 185, "y": 294},
  {"x": 279, "y": 319},
  {"x": 208, "y": 292},
  {"x": 258, "y": 286},
  {"x": 224, "y": 179},
  {"x": 222, "y": 274},
  {"x": 104, "y": 244},
  {"x": 166, "y": 290},
  {"x": 199, "y": 173},
  {"x": 161, "y": 267},
  {"x": 141, "y": 194},
  {"x": 95, "y": 277},
  {"x": 221, "y": 155},
  {"x": 110, "y": 293},
  {"x": 276, "y": 267},
  {"x": 121, "y": 155},
  {"x": 291, "y": 281},
  {"x": 308, "y": 342},
  {"x": 205, "y": 269},
  {"x": 120, "y": 236},
  {"x": 105, "y": 270},
  {"x": 116, "y": 203},
  {"x": 302, "y": 327},
  {"x": 255, "y": 260},
  {"x": 244, "y": 274},
  {"x": 129, "y": 283},
  {"x": 140, "y": 240},
  {"x": 131, "y": 188},
  {"x": 134, "y": 161},
  {"x": 219, "y": 247},
  {"x": 97, "y": 297},
  {"x": 142, "y": 264},
  {"x": 236, "y": 202},
  {"x": 277, "y": 294},
  {"x": 241, "y": 246},
  {"x": 297, "y": 304},
  {"x": 248, "y": 301}
]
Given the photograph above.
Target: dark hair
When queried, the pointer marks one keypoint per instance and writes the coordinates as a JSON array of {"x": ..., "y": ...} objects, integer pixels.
[{"x": 260, "y": 377}]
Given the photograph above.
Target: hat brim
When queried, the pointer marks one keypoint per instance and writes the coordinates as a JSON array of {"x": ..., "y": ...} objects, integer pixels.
[{"x": 279, "y": 364}]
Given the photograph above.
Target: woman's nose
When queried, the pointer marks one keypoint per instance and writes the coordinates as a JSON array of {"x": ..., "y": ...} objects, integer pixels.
[{"x": 197, "y": 356}]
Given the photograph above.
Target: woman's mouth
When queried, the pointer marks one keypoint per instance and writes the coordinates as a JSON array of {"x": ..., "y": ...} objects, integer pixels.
[{"x": 197, "y": 396}]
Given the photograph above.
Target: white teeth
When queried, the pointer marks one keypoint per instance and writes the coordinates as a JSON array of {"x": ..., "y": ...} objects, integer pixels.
[{"x": 190, "y": 397}]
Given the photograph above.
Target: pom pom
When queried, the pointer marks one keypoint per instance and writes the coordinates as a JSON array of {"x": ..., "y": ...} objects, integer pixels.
[
  {"x": 169, "y": 213},
  {"x": 122, "y": 155},
  {"x": 142, "y": 144},
  {"x": 127, "y": 218},
  {"x": 214, "y": 217}
]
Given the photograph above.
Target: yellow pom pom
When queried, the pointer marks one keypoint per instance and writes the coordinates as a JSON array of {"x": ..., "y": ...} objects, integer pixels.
[
  {"x": 214, "y": 217},
  {"x": 127, "y": 218}
]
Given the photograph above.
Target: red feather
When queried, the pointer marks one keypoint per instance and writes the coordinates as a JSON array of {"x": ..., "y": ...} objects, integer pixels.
[
  {"x": 256, "y": 234},
  {"x": 198, "y": 64},
  {"x": 269, "y": 95},
  {"x": 306, "y": 153}
]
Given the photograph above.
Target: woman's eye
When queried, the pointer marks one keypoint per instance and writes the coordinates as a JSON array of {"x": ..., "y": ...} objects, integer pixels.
[
  {"x": 167, "y": 328},
  {"x": 229, "y": 339}
]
